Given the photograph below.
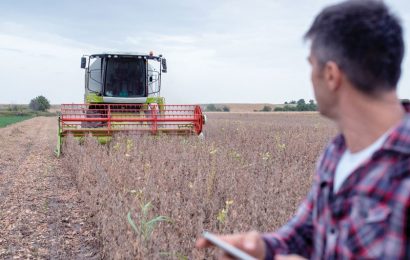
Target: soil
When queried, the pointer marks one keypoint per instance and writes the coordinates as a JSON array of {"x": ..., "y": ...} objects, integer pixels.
[{"x": 42, "y": 215}]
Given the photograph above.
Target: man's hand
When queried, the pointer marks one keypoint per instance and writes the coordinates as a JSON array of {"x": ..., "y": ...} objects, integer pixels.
[
  {"x": 251, "y": 243},
  {"x": 289, "y": 257}
]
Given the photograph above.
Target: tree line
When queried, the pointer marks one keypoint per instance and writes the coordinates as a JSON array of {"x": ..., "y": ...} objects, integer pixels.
[
  {"x": 214, "y": 108},
  {"x": 300, "y": 105}
]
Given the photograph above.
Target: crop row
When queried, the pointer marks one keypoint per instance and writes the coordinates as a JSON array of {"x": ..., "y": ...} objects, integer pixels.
[{"x": 151, "y": 196}]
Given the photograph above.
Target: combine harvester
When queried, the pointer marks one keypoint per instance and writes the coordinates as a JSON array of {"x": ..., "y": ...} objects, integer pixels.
[{"x": 122, "y": 95}]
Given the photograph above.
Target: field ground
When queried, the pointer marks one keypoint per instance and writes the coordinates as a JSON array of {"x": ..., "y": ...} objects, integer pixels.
[
  {"x": 251, "y": 172},
  {"x": 41, "y": 214}
]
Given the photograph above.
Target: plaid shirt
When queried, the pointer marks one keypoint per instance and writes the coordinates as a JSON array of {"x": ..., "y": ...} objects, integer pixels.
[{"x": 368, "y": 218}]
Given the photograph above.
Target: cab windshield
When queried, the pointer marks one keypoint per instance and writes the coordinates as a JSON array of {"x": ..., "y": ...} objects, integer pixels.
[{"x": 125, "y": 77}]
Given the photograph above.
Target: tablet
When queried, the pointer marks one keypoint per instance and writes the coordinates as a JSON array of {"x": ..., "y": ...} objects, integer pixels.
[{"x": 230, "y": 249}]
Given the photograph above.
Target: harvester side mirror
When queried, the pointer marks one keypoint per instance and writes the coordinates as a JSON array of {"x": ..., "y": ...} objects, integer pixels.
[
  {"x": 164, "y": 65},
  {"x": 83, "y": 62}
]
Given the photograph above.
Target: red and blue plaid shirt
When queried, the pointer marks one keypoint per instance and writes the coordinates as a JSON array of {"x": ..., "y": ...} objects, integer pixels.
[{"x": 368, "y": 217}]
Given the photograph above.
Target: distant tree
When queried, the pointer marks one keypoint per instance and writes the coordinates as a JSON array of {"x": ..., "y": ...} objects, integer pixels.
[
  {"x": 39, "y": 103},
  {"x": 286, "y": 102},
  {"x": 211, "y": 108},
  {"x": 301, "y": 105},
  {"x": 312, "y": 106},
  {"x": 226, "y": 109},
  {"x": 15, "y": 108},
  {"x": 301, "y": 101},
  {"x": 289, "y": 108},
  {"x": 278, "y": 109},
  {"x": 266, "y": 108}
]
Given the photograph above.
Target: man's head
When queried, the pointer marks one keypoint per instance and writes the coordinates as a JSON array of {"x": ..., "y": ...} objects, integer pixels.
[{"x": 359, "y": 41}]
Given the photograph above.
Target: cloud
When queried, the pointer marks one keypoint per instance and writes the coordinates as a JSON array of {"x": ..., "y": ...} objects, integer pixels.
[
  {"x": 40, "y": 63},
  {"x": 10, "y": 50},
  {"x": 230, "y": 67},
  {"x": 217, "y": 51}
]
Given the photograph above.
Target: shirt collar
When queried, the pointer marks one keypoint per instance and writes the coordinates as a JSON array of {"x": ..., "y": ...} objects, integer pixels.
[{"x": 398, "y": 140}]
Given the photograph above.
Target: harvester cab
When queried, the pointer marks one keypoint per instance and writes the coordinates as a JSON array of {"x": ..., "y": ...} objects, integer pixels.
[
  {"x": 122, "y": 94},
  {"x": 131, "y": 78}
]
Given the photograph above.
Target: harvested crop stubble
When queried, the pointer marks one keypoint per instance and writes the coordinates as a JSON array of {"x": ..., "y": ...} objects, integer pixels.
[{"x": 251, "y": 172}]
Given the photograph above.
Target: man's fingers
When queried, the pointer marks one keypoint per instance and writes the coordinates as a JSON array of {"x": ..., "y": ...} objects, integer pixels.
[
  {"x": 251, "y": 243},
  {"x": 231, "y": 239},
  {"x": 289, "y": 257},
  {"x": 202, "y": 243},
  {"x": 225, "y": 256}
]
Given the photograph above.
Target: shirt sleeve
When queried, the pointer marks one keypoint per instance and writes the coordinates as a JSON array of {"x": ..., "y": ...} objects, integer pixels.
[{"x": 296, "y": 237}]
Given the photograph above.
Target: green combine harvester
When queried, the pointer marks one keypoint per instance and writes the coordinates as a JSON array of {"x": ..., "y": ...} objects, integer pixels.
[{"x": 122, "y": 95}]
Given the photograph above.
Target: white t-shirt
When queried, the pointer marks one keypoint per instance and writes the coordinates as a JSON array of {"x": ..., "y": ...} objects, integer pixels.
[{"x": 351, "y": 161}]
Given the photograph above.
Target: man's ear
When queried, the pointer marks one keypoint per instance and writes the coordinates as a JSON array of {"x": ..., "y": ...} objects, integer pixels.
[{"x": 332, "y": 75}]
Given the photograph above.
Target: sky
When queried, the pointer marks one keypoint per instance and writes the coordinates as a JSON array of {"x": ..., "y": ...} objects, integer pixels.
[{"x": 217, "y": 51}]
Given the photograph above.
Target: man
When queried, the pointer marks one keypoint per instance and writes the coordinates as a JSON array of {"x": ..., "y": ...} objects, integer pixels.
[{"x": 359, "y": 204}]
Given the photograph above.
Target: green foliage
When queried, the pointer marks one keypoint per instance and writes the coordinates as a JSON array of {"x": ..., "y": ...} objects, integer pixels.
[
  {"x": 223, "y": 213},
  {"x": 15, "y": 108},
  {"x": 8, "y": 120},
  {"x": 146, "y": 226},
  {"x": 289, "y": 108},
  {"x": 266, "y": 109},
  {"x": 300, "y": 105},
  {"x": 226, "y": 109},
  {"x": 39, "y": 103},
  {"x": 17, "y": 113},
  {"x": 211, "y": 108},
  {"x": 214, "y": 108}
]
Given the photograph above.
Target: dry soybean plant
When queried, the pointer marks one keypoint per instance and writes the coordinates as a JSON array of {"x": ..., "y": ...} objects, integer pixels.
[{"x": 152, "y": 196}]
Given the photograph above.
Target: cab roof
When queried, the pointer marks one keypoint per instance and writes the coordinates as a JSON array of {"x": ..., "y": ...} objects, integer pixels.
[{"x": 136, "y": 55}]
